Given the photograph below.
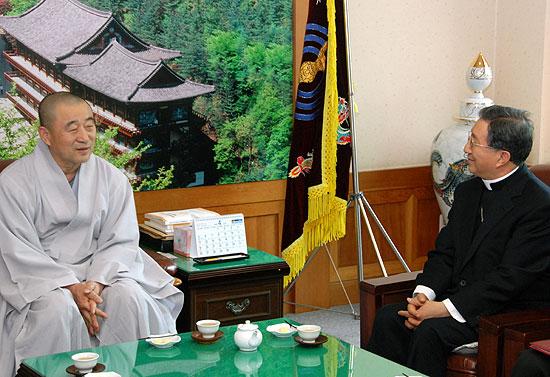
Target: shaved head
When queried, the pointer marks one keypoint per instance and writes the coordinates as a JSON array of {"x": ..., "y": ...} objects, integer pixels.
[
  {"x": 68, "y": 128},
  {"x": 49, "y": 104}
]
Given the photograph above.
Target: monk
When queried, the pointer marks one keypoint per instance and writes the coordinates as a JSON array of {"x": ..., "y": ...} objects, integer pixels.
[{"x": 71, "y": 272}]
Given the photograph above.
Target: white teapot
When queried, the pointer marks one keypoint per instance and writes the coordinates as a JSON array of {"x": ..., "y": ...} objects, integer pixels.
[{"x": 247, "y": 337}]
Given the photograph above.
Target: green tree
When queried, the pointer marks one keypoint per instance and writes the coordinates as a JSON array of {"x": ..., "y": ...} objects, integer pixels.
[
  {"x": 227, "y": 71},
  {"x": 144, "y": 18},
  {"x": 17, "y": 137},
  {"x": 20, "y": 6},
  {"x": 117, "y": 7},
  {"x": 255, "y": 146},
  {"x": 103, "y": 149},
  {"x": 184, "y": 26},
  {"x": 277, "y": 70},
  {"x": 162, "y": 180},
  {"x": 272, "y": 122},
  {"x": 266, "y": 21},
  {"x": 236, "y": 153}
]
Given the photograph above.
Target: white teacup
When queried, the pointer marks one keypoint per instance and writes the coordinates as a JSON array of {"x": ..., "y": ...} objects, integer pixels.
[
  {"x": 208, "y": 327},
  {"x": 309, "y": 333},
  {"x": 85, "y": 361}
]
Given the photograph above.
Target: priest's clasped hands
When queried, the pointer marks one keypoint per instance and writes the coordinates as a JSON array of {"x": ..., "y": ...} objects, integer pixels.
[
  {"x": 420, "y": 308},
  {"x": 87, "y": 296}
]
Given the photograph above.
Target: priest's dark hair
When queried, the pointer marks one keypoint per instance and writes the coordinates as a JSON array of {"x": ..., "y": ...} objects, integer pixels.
[{"x": 510, "y": 129}]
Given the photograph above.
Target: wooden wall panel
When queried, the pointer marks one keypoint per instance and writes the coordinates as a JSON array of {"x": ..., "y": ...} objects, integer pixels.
[
  {"x": 258, "y": 234},
  {"x": 402, "y": 199}
]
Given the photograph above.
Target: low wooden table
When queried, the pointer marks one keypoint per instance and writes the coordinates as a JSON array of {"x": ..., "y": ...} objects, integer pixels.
[{"x": 231, "y": 291}]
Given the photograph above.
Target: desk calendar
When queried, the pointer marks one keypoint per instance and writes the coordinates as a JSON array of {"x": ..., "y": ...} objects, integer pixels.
[{"x": 218, "y": 238}]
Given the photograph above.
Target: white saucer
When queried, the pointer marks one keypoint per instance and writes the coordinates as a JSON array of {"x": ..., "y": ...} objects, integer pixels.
[
  {"x": 281, "y": 330},
  {"x": 164, "y": 342}
]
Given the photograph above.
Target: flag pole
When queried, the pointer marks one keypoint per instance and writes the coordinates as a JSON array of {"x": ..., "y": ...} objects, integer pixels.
[{"x": 357, "y": 197}]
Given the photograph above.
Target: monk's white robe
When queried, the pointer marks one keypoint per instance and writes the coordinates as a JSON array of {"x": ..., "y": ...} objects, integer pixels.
[{"x": 51, "y": 238}]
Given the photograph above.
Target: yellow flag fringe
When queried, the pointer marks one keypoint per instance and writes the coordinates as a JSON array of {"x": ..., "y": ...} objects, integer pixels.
[{"x": 326, "y": 212}]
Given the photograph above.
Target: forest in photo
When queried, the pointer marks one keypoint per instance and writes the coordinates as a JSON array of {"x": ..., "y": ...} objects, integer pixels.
[{"x": 241, "y": 47}]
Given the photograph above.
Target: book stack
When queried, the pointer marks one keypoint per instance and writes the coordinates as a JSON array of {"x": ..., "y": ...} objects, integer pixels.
[{"x": 163, "y": 223}]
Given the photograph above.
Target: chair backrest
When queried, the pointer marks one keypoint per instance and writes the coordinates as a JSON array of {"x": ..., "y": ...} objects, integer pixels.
[
  {"x": 542, "y": 172},
  {"x": 4, "y": 164}
]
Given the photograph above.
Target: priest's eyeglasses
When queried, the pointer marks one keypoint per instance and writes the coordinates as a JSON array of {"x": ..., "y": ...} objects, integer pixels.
[{"x": 474, "y": 144}]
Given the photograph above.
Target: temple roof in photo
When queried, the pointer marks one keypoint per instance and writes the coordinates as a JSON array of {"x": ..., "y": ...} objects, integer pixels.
[
  {"x": 57, "y": 29},
  {"x": 122, "y": 75},
  {"x": 96, "y": 50}
]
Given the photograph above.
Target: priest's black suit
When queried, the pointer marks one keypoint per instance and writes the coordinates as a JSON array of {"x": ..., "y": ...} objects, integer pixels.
[{"x": 493, "y": 256}]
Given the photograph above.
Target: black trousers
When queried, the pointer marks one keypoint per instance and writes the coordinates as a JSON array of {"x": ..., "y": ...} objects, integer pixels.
[
  {"x": 424, "y": 349},
  {"x": 532, "y": 363}
]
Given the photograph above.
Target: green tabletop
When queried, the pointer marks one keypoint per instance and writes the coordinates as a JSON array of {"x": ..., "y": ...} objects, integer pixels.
[
  {"x": 275, "y": 357},
  {"x": 256, "y": 257}
]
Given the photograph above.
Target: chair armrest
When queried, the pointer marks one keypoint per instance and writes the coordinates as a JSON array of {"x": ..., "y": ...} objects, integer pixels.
[
  {"x": 517, "y": 338},
  {"x": 377, "y": 292},
  {"x": 491, "y": 337},
  {"x": 166, "y": 263}
]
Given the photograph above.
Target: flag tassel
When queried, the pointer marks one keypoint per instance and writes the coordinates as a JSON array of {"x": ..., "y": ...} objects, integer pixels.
[
  {"x": 326, "y": 212},
  {"x": 326, "y": 228}
]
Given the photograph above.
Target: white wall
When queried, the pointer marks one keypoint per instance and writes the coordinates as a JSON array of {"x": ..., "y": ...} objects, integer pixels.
[
  {"x": 519, "y": 63},
  {"x": 409, "y": 62},
  {"x": 544, "y": 146}
]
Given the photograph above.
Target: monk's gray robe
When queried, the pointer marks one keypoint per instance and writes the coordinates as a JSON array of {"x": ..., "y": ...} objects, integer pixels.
[{"x": 51, "y": 238}]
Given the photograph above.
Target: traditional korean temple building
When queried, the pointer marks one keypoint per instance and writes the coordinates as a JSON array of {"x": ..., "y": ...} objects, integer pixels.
[{"x": 64, "y": 45}]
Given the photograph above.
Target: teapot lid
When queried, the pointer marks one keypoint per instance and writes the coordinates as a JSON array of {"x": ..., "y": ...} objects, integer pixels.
[{"x": 247, "y": 326}]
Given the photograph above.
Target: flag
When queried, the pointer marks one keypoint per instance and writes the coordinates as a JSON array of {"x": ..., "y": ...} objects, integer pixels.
[{"x": 320, "y": 152}]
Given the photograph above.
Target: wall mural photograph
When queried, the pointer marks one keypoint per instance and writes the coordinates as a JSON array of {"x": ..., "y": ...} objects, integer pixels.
[{"x": 185, "y": 92}]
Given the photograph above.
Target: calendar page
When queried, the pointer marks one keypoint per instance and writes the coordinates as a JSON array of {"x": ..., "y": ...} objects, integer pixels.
[{"x": 218, "y": 236}]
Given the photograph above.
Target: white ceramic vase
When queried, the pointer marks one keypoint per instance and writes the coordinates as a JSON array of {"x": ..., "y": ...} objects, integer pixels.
[{"x": 449, "y": 167}]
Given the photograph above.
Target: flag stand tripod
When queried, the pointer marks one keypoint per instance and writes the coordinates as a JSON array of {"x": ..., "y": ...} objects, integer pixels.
[{"x": 359, "y": 201}]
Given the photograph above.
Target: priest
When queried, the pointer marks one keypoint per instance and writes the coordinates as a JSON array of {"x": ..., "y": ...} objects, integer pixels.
[{"x": 71, "y": 272}]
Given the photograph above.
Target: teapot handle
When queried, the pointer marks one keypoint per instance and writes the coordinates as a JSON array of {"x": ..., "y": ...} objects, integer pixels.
[{"x": 254, "y": 340}]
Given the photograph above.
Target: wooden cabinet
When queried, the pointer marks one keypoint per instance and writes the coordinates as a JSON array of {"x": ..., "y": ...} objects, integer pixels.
[{"x": 232, "y": 292}]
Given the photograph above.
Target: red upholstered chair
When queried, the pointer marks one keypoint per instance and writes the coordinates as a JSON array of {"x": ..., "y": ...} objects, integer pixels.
[
  {"x": 501, "y": 336},
  {"x": 164, "y": 262}
]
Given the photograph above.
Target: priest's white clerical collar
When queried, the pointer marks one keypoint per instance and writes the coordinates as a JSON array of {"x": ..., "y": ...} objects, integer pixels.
[{"x": 488, "y": 182}]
